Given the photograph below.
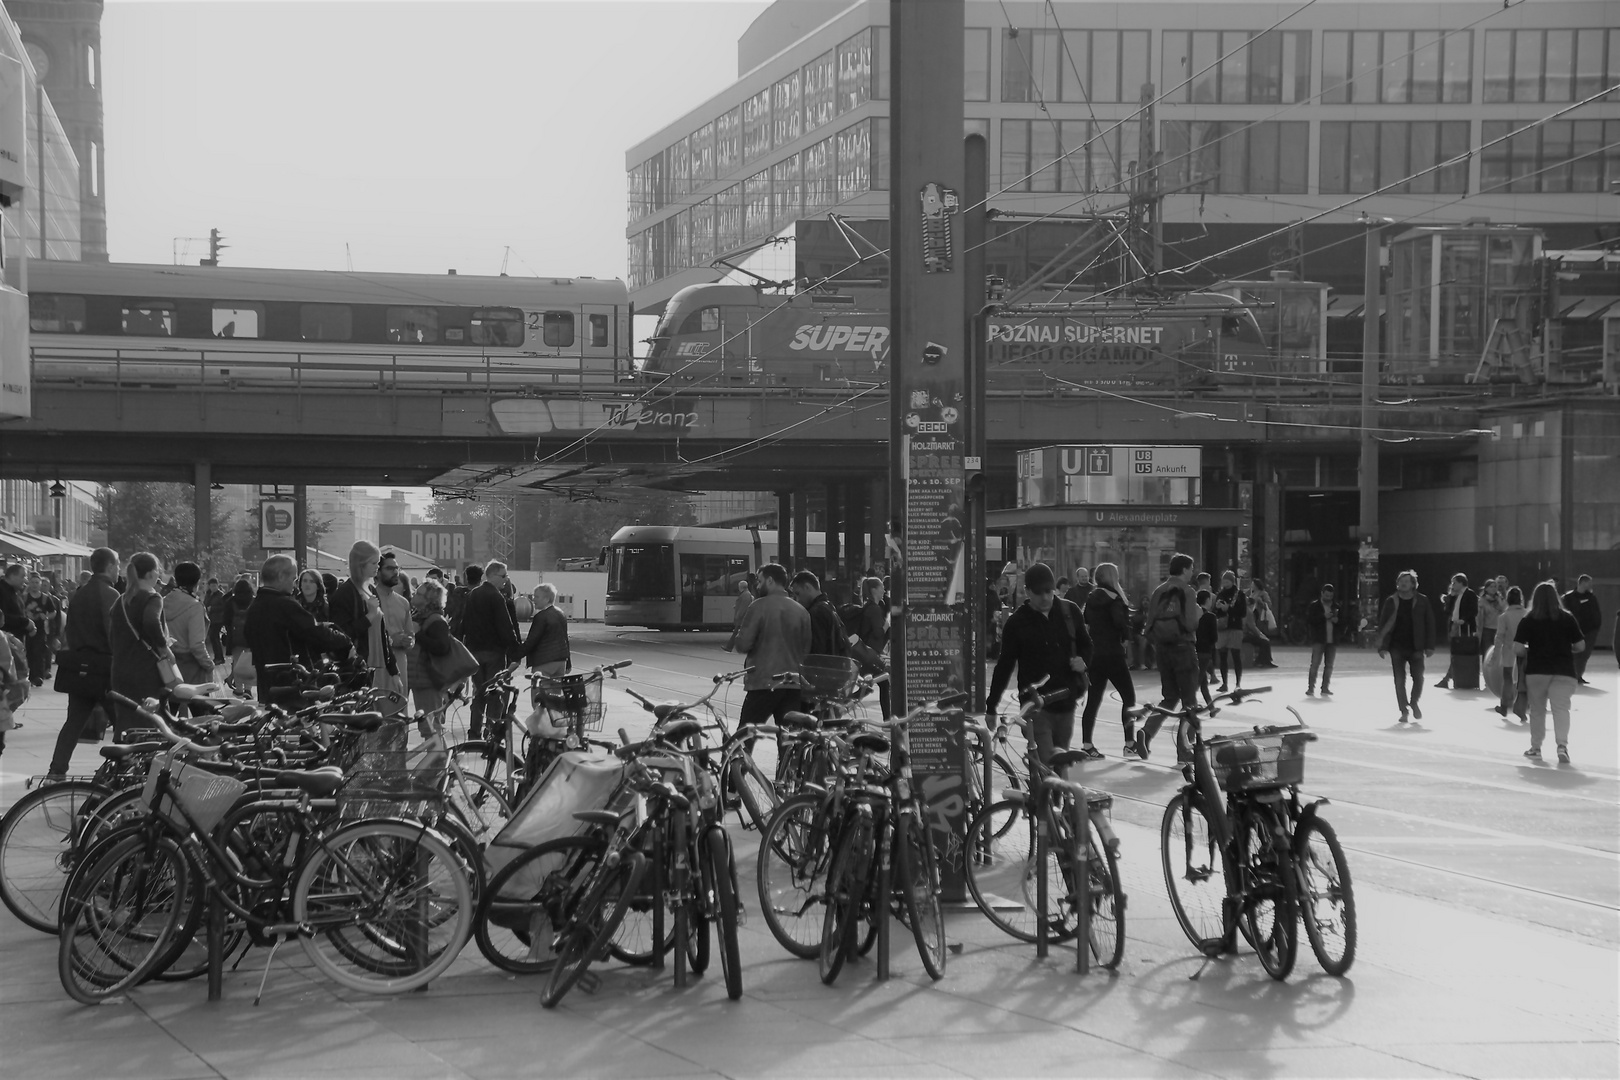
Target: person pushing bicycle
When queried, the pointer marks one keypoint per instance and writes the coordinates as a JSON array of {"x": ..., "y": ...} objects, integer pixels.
[{"x": 1046, "y": 637}]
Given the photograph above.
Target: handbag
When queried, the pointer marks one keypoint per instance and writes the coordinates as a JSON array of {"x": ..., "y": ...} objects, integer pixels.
[
  {"x": 454, "y": 666},
  {"x": 168, "y": 670},
  {"x": 87, "y": 674},
  {"x": 242, "y": 669}
]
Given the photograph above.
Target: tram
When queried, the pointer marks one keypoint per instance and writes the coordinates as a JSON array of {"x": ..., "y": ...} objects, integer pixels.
[
  {"x": 182, "y": 325},
  {"x": 684, "y": 578},
  {"x": 738, "y": 335}
]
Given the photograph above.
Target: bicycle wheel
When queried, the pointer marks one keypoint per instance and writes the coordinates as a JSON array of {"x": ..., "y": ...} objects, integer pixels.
[
  {"x": 755, "y": 791},
  {"x": 478, "y": 803},
  {"x": 593, "y": 924},
  {"x": 795, "y": 851},
  {"x": 919, "y": 884},
  {"x": 1270, "y": 917},
  {"x": 846, "y": 885},
  {"x": 1107, "y": 899},
  {"x": 36, "y": 841},
  {"x": 120, "y": 916},
  {"x": 389, "y": 904},
  {"x": 1001, "y": 877},
  {"x": 103, "y": 816},
  {"x": 484, "y": 758},
  {"x": 1195, "y": 873},
  {"x": 528, "y": 899},
  {"x": 724, "y": 867},
  {"x": 1327, "y": 903},
  {"x": 697, "y": 940}
]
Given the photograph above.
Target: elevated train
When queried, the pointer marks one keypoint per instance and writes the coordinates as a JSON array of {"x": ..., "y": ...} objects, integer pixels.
[{"x": 181, "y": 325}]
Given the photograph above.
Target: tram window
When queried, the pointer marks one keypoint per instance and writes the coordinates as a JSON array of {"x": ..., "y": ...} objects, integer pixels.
[
  {"x": 55, "y": 313},
  {"x": 325, "y": 322},
  {"x": 557, "y": 329},
  {"x": 500, "y": 327},
  {"x": 413, "y": 326},
  {"x": 641, "y": 571},
  {"x": 149, "y": 318},
  {"x": 702, "y": 321},
  {"x": 237, "y": 320},
  {"x": 599, "y": 331}
]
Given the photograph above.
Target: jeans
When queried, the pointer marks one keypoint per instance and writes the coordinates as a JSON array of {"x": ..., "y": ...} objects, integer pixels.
[
  {"x": 1053, "y": 731},
  {"x": 1322, "y": 654},
  {"x": 491, "y": 662},
  {"x": 1178, "y": 682},
  {"x": 758, "y": 706},
  {"x": 79, "y": 708},
  {"x": 1105, "y": 670},
  {"x": 1401, "y": 661},
  {"x": 1581, "y": 657},
  {"x": 1206, "y": 674},
  {"x": 1554, "y": 688},
  {"x": 1510, "y": 688}
]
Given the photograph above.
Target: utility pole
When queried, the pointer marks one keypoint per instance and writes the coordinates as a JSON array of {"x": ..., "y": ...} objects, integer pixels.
[{"x": 1367, "y": 573}]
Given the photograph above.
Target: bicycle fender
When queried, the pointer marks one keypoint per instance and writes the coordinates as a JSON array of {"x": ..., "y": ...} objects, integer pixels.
[{"x": 1309, "y": 813}]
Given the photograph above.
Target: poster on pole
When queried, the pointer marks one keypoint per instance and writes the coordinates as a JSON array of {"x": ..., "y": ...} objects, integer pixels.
[{"x": 276, "y": 520}]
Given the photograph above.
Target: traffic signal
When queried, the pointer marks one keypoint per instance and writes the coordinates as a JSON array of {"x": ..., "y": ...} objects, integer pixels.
[{"x": 215, "y": 246}]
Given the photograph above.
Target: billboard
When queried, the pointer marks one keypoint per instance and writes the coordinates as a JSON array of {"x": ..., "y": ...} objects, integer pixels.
[
  {"x": 448, "y": 546},
  {"x": 276, "y": 520}
]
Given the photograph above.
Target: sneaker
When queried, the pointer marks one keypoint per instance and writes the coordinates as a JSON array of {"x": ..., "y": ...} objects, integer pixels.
[
  {"x": 1402, "y": 720},
  {"x": 1092, "y": 753},
  {"x": 1310, "y": 691},
  {"x": 1141, "y": 745},
  {"x": 1499, "y": 711},
  {"x": 1533, "y": 754},
  {"x": 55, "y": 777},
  {"x": 1326, "y": 692},
  {"x": 1222, "y": 690},
  {"x": 1563, "y": 755},
  {"x": 1417, "y": 713},
  {"x": 1442, "y": 685}
]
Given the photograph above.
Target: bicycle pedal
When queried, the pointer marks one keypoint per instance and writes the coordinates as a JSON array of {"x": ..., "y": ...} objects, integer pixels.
[{"x": 589, "y": 982}]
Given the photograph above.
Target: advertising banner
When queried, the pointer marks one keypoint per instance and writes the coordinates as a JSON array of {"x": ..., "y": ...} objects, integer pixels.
[
  {"x": 276, "y": 520},
  {"x": 13, "y": 129},
  {"x": 449, "y": 546}
]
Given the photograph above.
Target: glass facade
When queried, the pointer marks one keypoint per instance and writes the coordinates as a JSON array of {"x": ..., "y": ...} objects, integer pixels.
[
  {"x": 1237, "y": 67},
  {"x": 1101, "y": 66},
  {"x": 1558, "y": 156},
  {"x": 1267, "y": 157},
  {"x": 1550, "y": 65},
  {"x": 1359, "y": 156},
  {"x": 1067, "y": 155},
  {"x": 820, "y": 91},
  {"x": 1397, "y": 67}
]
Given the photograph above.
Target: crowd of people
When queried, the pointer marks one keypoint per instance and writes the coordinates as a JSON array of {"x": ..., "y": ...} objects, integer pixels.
[{"x": 131, "y": 628}]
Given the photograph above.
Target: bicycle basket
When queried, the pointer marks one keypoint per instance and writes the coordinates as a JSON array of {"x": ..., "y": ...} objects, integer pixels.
[
  {"x": 567, "y": 701},
  {"x": 349, "y": 749},
  {"x": 207, "y": 795},
  {"x": 827, "y": 676},
  {"x": 395, "y": 783},
  {"x": 1248, "y": 762}
]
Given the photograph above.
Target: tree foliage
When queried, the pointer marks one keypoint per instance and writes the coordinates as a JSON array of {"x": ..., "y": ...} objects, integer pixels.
[
  {"x": 585, "y": 527},
  {"x": 140, "y": 515}
]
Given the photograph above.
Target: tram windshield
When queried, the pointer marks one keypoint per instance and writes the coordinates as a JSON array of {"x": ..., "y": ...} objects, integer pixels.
[{"x": 641, "y": 571}]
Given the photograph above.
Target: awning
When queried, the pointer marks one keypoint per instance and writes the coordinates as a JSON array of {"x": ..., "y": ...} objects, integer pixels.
[
  {"x": 57, "y": 544},
  {"x": 1584, "y": 308},
  {"x": 27, "y": 545}
]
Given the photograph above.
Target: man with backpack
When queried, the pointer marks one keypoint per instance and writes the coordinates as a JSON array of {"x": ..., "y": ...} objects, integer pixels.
[
  {"x": 1172, "y": 626},
  {"x": 1045, "y": 638}
]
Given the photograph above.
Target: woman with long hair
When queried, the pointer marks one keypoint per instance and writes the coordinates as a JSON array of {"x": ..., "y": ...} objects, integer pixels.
[
  {"x": 1108, "y": 618},
  {"x": 432, "y": 638},
  {"x": 1548, "y": 637},
  {"x": 142, "y": 663},
  {"x": 312, "y": 595},
  {"x": 243, "y": 676}
]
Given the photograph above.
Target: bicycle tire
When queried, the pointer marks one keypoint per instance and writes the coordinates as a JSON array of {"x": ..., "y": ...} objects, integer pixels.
[
  {"x": 1327, "y": 899},
  {"x": 756, "y": 794},
  {"x": 415, "y": 910},
  {"x": 1000, "y": 871},
  {"x": 118, "y": 920},
  {"x": 697, "y": 940},
  {"x": 36, "y": 849},
  {"x": 478, "y": 803},
  {"x": 1196, "y": 875},
  {"x": 517, "y": 919},
  {"x": 597, "y": 917},
  {"x": 1107, "y": 898},
  {"x": 116, "y": 810},
  {"x": 919, "y": 883},
  {"x": 484, "y": 758},
  {"x": 1270, "y": 916},
  {"x": 846, "y": 885},
  {"x": 187, "y": 956},
  {"x": 723, "y": 865},
  {"x": 795, "y": 852}
]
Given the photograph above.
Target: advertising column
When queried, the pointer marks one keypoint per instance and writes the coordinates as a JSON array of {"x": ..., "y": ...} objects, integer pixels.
[
  {"x": 16, "y": 388},
  {"x": 927, "y": 395}
]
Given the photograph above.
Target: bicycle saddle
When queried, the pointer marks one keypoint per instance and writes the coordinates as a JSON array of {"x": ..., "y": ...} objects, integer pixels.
[
  {"x": 666, "y": 710},
  {"x": 797, "y": 720},
  {"x": 360, "y": 721},
  {"x": 318, "y": 782},
  {"x": 679, "y": 730},
  {"x": 877, "y": 744},
  {"x": 124, "y": 750},
  {"x": 1064, "y": 758},
  {"x": 1237, "y": 753}
]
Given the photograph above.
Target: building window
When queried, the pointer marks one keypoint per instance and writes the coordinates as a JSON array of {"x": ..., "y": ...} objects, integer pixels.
[
  {"x": 1559, "y": 156},
  {"x": 854, "y": 163},
  {"x": 680, "y": 240},
  {"x": 635, "y": 193},
  {"x": 855, "y": 71},
  {"x": 786, "y": 110},
  {"x": 1070, "y": 155},
  {"x": 880, "y": 63},
  {"x": 756, "y": 141},
  {"x": 236, "y": 320},
  {"x": 702, "y": 148},
  {"x": 1234, "y": 156},
  {"x": 1031, "y": 66},
  {"x": 880, "y": 153},
  {"x": 975, "y": 64},
  {"x": 703, "y": 233},
  {"x": 557, "y": 329},
  {"x": 757, "y": 206},
  {"x": 1549, "y": 65},
  {"x": 413, "y": 325},
  {"x": 498, "y": 327},
  {"x": 820, "y": 91},
  {"x": 820, "y": 176},
  {"x": 1360, "y": 156},
  {"x": 149, "y": 318},
  {"x": 728, "y": 219},
  {"x": 95, "y": 170},
  {"x": 91, "y": 75},
  {"x": 55, "y": 313},
  {"x": 1397, "y": 67},
  {"x": 786, "y": 195},
  {"x": 728, "y": 142},
  {"x": 1236, "y": 67},
  {"x": 325, "y": 322},
  {"x": 677, "y": 172}
]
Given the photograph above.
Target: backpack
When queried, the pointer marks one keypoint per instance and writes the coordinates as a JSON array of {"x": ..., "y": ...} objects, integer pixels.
[
  {"x": 1164, "y": 626},
  {"x": 850, "y": 616}
]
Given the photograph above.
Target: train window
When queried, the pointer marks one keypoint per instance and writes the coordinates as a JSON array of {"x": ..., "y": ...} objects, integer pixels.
[
  {"x": 557, "y": 329},
  {"x": 702, "y": 321},
  {"x": 599, "y": 331},
  {"x": 149, "y": 318},
  {"x": 413, "y": 326},
  {"x": 325, "y": 322},
  {"x": 500, "y": 327},
  {"x": 235, "y": 320},
  {"x": 55, "y": 313}
]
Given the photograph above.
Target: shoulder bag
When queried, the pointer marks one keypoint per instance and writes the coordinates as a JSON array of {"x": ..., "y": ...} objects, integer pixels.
[
  {"x": 454, "y": 666},
  {"x": 168, "y": 670},
  {"x": 87, "y": 674}
]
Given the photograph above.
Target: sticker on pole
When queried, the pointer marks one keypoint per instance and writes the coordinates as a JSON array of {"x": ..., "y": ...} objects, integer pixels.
[{"x": 938, "y": 204}]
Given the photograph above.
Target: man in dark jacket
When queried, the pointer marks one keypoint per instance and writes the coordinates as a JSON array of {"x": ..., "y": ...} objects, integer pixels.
[
  {"x": 86, "y": 633},
  {"x": 1322, "y": 617},
  {"x": 489, "y": 631},
  {"x": 1462, "y": 617},
  {"x": 456, "y": 604},
  {"x": 1046, "y": 638},
  {"x": 1582, "y": 603},
  {"x": 1108, "y": 620},
  {"x": 279, "y": 630},
  {"x": 546, "y": 647},
  {"x": 14, "y": 618},
  {"x": 826, "y": 628},
  {"x": 1407, "y": 634}
]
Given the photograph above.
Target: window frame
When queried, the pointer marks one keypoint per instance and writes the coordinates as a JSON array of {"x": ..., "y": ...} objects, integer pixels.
[
  {"x": 83, "y": 314},
  {"x": 306, "y": 310},
  {"x": 553, "y": 323},
  {"x": 394, "y": 324},
  {"x": 257, "y": 309},
  {"x": 480, "y": 319},
  {"x": 126, "y": 306}
]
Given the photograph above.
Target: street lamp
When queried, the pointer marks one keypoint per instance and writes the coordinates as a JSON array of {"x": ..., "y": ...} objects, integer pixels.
[{"x": 58, "y": 493}]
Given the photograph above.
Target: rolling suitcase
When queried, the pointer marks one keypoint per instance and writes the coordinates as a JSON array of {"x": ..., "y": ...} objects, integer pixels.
[{"x": 1465, "y": 663}]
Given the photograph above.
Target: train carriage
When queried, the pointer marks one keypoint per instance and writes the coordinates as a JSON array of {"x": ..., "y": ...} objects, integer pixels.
[
  {"x": 685, "y": 578},
  {"x": 183, "y": 325}
]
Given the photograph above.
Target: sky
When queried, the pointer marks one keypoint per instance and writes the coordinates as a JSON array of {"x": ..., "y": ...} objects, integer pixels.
[{"x": 406, "y": 137}]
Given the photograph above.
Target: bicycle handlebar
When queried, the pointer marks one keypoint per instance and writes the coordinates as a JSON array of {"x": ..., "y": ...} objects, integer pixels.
[{"x": 162, "y": 725}]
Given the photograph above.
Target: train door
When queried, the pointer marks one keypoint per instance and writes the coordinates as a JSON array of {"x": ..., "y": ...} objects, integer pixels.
[
  {"x": 597, "y": 340},
  {"x": 691, "y": 590}
]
